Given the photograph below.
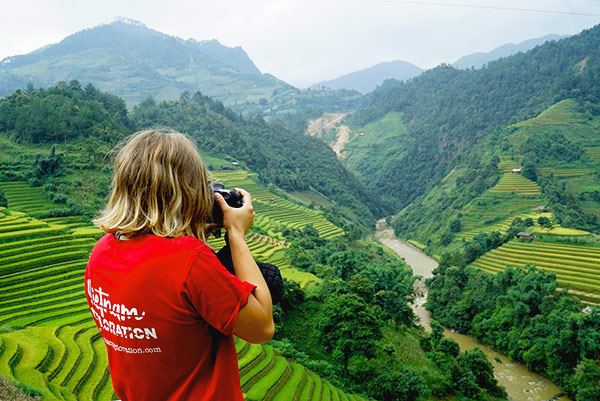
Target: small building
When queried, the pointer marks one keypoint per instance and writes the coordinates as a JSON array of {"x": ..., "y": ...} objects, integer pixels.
[
  {"x": 225, "y": 167},
  {"x": 235, "y": 164},
  {"x": 542, "y": 209},
  {"x": 524, "y": 235},
  {"x": 516, "y": 170},
  {"x": 272, "y": 200}
]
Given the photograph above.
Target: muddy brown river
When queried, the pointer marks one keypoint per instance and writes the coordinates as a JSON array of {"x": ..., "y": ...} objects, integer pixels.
[{"x": 520, "y": 383}]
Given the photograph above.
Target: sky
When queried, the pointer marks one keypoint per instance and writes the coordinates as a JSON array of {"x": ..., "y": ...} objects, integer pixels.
[{"x": 307, "y": 41}]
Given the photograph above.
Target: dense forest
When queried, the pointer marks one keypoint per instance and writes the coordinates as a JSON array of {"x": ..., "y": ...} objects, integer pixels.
[
  {"x": 356, "y": 326},
  {"x": 519, "y": 313},
  {"x": 448, "y": 111}
]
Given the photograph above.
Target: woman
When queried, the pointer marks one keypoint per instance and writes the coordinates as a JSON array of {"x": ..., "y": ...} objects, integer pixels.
[{"x": 164, "y": 304}]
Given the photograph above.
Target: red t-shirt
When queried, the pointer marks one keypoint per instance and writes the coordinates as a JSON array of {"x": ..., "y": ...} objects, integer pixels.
[{"x": 166, "y": 309}]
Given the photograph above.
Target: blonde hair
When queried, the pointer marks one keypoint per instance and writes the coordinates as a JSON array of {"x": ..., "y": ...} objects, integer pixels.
[{"x": 160, "y": 186}]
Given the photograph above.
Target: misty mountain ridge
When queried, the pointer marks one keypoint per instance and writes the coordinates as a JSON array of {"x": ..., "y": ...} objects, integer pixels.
[
  {"x": 365, "y": 81},
  {"x": 479, "y": 59},
  {"x": 133, "y": 61}
]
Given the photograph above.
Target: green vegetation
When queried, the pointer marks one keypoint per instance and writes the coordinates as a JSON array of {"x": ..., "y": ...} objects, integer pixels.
[
  {"x": 566, "y": 187},
  {"x": 87, "y": 123},
  {"x": 280, "y": 156},
  {"x": 575, "y": 266},
  {"x": 450, "y": 113},
  {"x": 516, "y": 183},
  {"x": 356, "y": 328},
  {"x": 371, "y": 145},
  {"x": 430, "y": 218},
  {"x": 518, "y": 312}
]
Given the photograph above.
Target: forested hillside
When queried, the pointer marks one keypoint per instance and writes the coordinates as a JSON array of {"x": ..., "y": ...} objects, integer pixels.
[
  {"x": 93, "y": 121},
  {"x": 130, "y": 60},
  {"x": 559, "y": 169},
  {"x": 449, "y": 111}
]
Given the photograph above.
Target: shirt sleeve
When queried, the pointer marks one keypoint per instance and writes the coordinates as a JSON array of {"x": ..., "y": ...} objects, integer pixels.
[{"x": 216, "y": 294}]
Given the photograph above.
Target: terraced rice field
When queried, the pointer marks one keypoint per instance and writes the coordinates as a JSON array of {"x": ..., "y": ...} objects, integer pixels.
[
  {"x": 507, "y": 165},
  {"x": 516, "y": 183},
  {"x": 48, "y": 339},
  {"x": 594, "y": 153},
  {"x": 70, "y": 363},
  {"x": 21, "y": 197},
  {"x": 564, "y": 172},
  {"x": 503, "y": 225},
  {"x": 275, "y": 216},
  {"x": 562, "y": 113},
  {"x": 575, "y": 266}
]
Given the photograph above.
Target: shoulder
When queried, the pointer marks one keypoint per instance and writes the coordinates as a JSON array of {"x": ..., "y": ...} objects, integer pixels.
[{"x": 189, "y": 243}]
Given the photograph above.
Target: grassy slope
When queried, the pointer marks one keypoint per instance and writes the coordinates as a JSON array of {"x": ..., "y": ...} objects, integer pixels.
[{"x": 378, "y": 139}]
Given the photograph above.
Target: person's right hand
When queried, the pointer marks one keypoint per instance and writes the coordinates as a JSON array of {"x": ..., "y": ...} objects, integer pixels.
[{"x": 237, "y": 220}]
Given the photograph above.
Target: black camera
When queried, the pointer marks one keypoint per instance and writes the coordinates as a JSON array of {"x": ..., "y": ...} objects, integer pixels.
[
  {"x": 231, "y": 196},
  {"x": 270, "y": 272}
]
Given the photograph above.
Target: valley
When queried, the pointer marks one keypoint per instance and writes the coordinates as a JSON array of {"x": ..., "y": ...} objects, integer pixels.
[
  {"x": 520, "y": 383},
  {"x": 469, "y": 199}
]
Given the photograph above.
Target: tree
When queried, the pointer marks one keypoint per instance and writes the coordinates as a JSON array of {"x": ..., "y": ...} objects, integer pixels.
[
  {"x": 3, "y": 200},
  {"x": 455, "y": 226},
  {"x": 476, "y": 362},
  {"x": 529, "y": 172},
  {"x": 349, "y": 326},
  {"x": 587, "y": 380},
  {"x": 544, "y": 221},
  {"x": 46, "y": 166},
  {"x": 402, "y": 385}
]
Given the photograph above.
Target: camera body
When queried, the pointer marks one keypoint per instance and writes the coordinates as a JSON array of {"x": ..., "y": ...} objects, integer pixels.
[{"x": 231, "y": 196}]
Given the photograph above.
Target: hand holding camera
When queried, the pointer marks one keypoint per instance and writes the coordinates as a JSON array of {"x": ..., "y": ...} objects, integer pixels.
[{"x": 233, "y": 209}]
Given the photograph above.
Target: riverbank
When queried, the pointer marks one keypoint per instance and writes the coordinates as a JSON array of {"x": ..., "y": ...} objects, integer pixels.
[{"x": 520, "y": 383}]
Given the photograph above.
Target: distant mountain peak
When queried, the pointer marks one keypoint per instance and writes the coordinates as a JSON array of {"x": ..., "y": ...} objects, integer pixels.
[
  {"x": 129, "y": 21},
  {"x": 368, "y": 79},
  {"x": 479, "y": 59}
]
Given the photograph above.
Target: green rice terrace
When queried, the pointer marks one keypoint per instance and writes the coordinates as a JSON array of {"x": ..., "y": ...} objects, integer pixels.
[
  {"x": 576, "y": 267},
  {"x": 593, "y": 152},
  {"x": 48, "y": 339},
  {"x": 516, "y": 183}
]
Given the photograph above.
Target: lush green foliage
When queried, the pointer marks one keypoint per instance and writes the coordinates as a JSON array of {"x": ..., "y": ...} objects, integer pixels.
[
  {"x": 449, "y": 111},
  {"x": 63, "y": 112},
  {"x": 91, "y": 122},
  {"x": 353, "y": 326},
  {"x": 428, "y": 212},
  {"x": 518, "y": 313},
  {"x": 469, "y": 374}
]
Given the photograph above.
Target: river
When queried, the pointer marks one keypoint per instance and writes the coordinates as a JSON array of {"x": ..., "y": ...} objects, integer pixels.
[{"x": 520, "y": 383}]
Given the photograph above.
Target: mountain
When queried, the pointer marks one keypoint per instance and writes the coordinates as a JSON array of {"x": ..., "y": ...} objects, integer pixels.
[
  {"x": 128, "y": 59},
  {"x": 479, "y": 59},
  {"x": 367, "y": 80},
  {"x": 445, "y": 112}
]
